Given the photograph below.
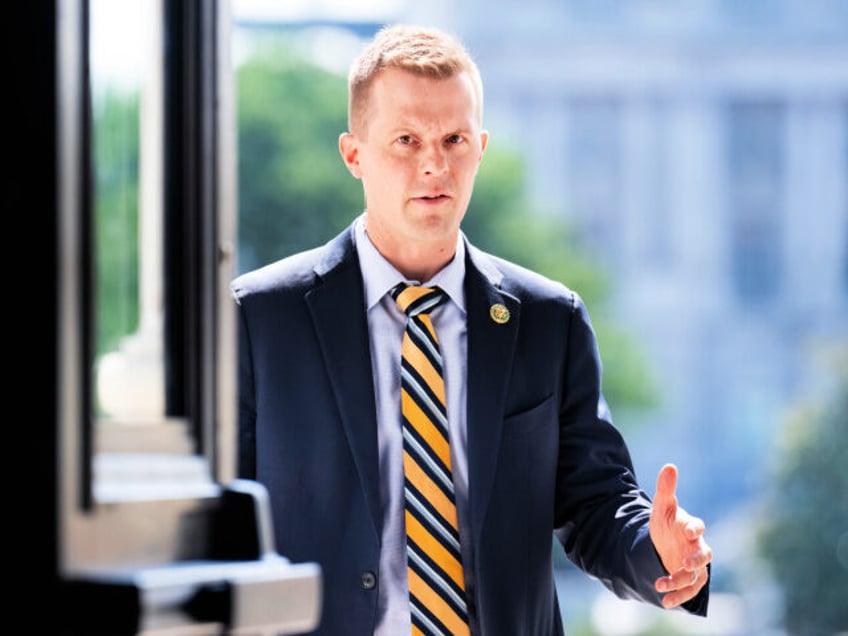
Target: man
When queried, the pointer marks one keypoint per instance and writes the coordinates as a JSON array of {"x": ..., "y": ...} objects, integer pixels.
[{"x": 425, "y": 459}]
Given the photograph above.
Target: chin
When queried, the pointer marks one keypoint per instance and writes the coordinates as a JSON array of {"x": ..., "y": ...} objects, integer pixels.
[{"x": 437, "y": 226}]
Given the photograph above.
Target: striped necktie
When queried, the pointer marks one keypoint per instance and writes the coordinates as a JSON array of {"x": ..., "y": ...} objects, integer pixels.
[{"x": 434, "y": 563}]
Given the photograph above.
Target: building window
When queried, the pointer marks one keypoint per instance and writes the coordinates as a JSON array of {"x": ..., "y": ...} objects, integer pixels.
[
  {"x": 752, "y": 13},
  {"x": 845, "y": 200},
  {"x": 594, "y": 166},
  {"x": 755, "y": 164},
  {"x": 147, "y": 325}
]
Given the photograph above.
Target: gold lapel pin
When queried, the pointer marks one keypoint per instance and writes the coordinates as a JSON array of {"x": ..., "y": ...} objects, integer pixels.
[{"x": 499, "y": 313}]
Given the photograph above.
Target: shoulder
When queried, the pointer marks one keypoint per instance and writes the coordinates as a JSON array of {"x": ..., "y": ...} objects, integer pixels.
[
  {"x": 293, "y": 272},
  {"x": 526, "y": 285},
  {"x": 296, "y": 273}
]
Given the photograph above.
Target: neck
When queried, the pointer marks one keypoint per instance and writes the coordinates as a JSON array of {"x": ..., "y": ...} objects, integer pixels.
[
  {"x": 418, "y": 260},
  {"x": 423, "y": 268}
]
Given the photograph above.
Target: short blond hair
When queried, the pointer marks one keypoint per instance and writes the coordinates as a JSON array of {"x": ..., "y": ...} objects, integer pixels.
[{"x": 424, "y": 51}]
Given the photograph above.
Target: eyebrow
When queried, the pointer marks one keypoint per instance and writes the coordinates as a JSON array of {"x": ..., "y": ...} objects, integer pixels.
[{"x": 407, "y": 129}]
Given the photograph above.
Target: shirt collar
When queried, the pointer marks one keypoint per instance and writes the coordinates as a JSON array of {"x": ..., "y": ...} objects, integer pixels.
[{"x": 379, "y": 276}]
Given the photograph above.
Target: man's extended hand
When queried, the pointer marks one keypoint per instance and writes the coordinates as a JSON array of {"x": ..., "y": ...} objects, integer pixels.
[{"x": 678, "y": 538}]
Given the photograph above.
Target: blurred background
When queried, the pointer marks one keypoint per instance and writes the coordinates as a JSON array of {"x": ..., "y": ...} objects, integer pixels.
[{"x": 684, "y": 167}]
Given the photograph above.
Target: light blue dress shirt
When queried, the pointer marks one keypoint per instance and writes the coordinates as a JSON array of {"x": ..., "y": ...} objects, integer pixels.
[{"x": 386, "y": 325}]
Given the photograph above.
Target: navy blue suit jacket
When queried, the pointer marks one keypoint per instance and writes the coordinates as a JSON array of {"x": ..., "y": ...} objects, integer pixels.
[{"x": 544, "y": 456}]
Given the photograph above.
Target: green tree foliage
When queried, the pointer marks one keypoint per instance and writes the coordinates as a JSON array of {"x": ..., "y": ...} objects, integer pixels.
[
  {"x": 806, "y": 530},
  {"x": 116, "y": 200},
  {"x": 295, "y": 193},
  {"x": 501, "y": 221}
]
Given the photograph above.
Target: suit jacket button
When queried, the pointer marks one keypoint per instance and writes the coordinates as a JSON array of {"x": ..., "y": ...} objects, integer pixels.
[{"x": 367, "y": 580}]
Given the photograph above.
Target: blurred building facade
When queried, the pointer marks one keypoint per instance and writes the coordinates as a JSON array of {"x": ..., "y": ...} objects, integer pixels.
[{"x": 701, "y": 150}]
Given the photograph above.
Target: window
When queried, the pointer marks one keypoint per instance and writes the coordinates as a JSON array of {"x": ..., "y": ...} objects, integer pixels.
[
  {"x": 755, "y": 176},
  {"x": 153, "y": 532},
  {"x": 845, "y": 196},
  {"x": 594, "y": 165},
  {"x": 129, "y": 224},
  {"x": 752, "y": 13}
]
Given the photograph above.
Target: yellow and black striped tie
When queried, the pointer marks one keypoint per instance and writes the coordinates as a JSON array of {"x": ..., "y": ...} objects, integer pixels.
[{"x": 434, "y": 563}]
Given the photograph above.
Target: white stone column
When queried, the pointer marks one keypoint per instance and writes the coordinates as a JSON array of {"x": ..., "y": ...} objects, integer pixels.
[{"x": 131, "y": 380}]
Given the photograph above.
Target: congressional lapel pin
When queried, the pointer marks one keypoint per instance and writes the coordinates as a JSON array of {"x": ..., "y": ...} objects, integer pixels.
[{"x": 499, "y": 313}]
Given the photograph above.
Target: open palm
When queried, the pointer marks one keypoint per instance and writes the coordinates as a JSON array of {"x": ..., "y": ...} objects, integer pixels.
[{"x": 678, "y": 538}]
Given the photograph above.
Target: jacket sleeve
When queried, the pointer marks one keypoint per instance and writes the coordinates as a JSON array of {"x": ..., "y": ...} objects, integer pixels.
[{"x": 601, "y": 512}]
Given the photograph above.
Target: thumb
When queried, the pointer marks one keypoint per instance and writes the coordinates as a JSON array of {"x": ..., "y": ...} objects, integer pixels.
[{"x": 665, "y": 496}]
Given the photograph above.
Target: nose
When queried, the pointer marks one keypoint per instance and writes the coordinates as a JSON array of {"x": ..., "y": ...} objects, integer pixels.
[{"x": 434, "y": 160}]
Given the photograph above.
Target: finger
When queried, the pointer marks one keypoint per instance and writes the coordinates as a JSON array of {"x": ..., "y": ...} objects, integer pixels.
[
  {"x": 700, "y": 558},
  {"x": 679, "y": 580},
  {"x": 666, "y": 486},
  {"x": 694, "y": 527},
  {"x": 674, "y": 599},
  {"x": 686, "y": 587}
]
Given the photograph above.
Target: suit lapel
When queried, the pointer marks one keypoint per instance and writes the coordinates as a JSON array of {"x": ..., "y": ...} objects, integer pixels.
[
  {"x": 491, "y": 345},
  {"x": 337, "y": 306}
]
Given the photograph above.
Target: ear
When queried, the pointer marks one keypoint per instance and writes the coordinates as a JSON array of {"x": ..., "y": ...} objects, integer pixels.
[
  {"x": 484, "y": 139},
  {"x": 349, "y": 149}
]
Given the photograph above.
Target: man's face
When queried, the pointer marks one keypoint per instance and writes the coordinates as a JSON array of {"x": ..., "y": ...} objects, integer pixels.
[{"x": 417, "y": 158}]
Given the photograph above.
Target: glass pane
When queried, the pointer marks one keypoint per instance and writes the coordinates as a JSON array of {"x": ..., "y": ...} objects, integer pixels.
[{"x": 126, "y": 108}]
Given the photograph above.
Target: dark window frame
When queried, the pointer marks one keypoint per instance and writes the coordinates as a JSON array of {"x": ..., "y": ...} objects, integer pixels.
[{"x": 200, "y": 336}]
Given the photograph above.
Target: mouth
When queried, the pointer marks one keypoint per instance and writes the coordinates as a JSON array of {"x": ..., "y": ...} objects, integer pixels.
[{"x": 432, "y": 197}]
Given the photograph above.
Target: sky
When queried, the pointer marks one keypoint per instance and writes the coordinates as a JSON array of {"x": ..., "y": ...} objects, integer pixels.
[
  {"x": 121, "y": 44},
  {"x": 363, "y": 10}
]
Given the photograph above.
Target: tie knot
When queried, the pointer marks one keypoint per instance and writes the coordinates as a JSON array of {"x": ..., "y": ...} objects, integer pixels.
[{"x": 416, "y": 299}]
